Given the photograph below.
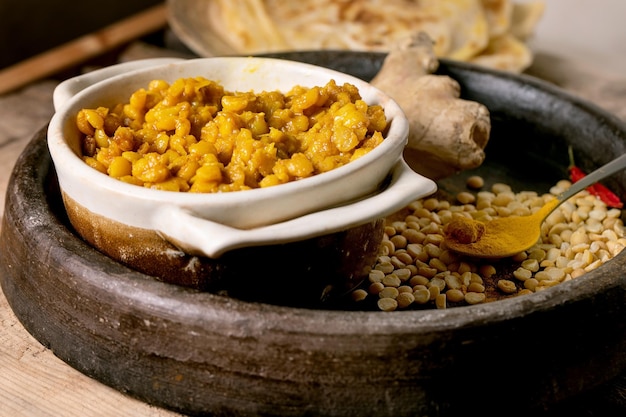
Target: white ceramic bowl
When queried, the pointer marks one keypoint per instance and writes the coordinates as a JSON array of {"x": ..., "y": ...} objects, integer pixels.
[{"x": 210, "y": 224}]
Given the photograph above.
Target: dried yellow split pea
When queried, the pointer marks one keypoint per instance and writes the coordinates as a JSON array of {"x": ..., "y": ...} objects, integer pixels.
[{"x": 578, "y": 237}]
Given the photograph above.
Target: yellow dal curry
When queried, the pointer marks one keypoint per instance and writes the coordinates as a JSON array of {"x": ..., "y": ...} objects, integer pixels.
[{"x": 194, "y": 136}]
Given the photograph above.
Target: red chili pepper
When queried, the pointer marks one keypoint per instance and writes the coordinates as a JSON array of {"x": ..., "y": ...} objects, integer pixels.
[
  {"x": 575, "y": 173},
  {"x": 597, "y": 189},
  {"x": 606, "y": 195}
]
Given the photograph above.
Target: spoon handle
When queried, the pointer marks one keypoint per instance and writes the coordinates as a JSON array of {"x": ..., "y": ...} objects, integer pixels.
[{"x": 604, "y": 171}]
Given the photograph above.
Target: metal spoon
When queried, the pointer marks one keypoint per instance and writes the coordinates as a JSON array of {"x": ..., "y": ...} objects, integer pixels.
[{"x": 508, "y": 236}]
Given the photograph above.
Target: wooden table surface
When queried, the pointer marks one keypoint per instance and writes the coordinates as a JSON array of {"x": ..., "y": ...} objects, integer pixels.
[{"x": 33, "y": 381}]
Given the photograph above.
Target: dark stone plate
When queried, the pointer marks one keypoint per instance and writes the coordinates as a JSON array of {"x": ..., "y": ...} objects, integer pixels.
[{"x": 206, "y": 354}]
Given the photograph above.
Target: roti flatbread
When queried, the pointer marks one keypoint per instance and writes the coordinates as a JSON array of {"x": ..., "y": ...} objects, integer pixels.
[{"x": 481, "y": 31}]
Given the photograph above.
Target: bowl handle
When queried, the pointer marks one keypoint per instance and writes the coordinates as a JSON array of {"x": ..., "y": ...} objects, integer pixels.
[
  {"x": 72, "y": 86},
  {"x": 200, "y": 236}
]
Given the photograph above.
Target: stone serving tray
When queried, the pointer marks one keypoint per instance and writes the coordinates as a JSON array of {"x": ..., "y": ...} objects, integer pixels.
[{"x": 207, "y": 354}]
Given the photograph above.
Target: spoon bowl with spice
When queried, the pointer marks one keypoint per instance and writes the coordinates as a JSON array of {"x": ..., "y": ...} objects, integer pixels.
[{"x": 508, "y": 236}]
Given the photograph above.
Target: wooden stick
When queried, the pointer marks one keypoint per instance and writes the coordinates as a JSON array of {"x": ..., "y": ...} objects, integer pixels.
[{"x": 82, "y": 48}]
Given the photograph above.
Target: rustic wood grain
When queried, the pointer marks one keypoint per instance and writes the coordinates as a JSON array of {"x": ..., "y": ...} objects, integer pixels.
[
  {"x": 22, "y": 114},
  {"x": 33, "y": 381}
]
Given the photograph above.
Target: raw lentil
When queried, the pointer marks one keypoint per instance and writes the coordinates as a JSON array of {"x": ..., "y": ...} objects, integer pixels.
[
  {"x": 376, "y": 275},
  {"x": 391, "y": 280},
  {"x": 455, "y": 295},
  {"x": 465, "y": 198},
  {"x": 522, "y": 273},
  {"x": 474, "y": 298},
  {"x": 476, "y": 287},
  {"x": 405, "y": 299},
  {"x": 440, "y": 301},
  {"x": 578, "y": 237},
  {"x": 434, "y": 292},
  {"x": 389, "y": 292},
  {"x": 475, "y": 182},
  {"x": 404, "y": 288},
  {"x": 387, "y": 304},
  {"x": 359, "y": 294},
  {"x": 403, "y": 273},
  {"x": 376, "y": 288},
  {"x": 487, "y": 270},
  {"x": 422, "y": 296},
  {"x": 507, "y": 286}
]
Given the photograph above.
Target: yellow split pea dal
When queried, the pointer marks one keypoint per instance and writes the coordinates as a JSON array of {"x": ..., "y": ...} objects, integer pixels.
[{"x": 194, "y": 136}]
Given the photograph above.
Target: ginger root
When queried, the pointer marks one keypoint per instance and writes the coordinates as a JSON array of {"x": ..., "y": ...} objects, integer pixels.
[{"x": 447, "y": 134}]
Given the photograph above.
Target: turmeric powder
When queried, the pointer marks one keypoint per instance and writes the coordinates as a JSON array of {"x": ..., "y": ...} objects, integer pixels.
[
  {"x": 498, "y": 238},
  {"x": 464, "y": 230}
]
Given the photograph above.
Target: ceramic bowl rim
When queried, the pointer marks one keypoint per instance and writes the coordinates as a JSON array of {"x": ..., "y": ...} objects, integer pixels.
[{"x": 396, "y": 135}]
